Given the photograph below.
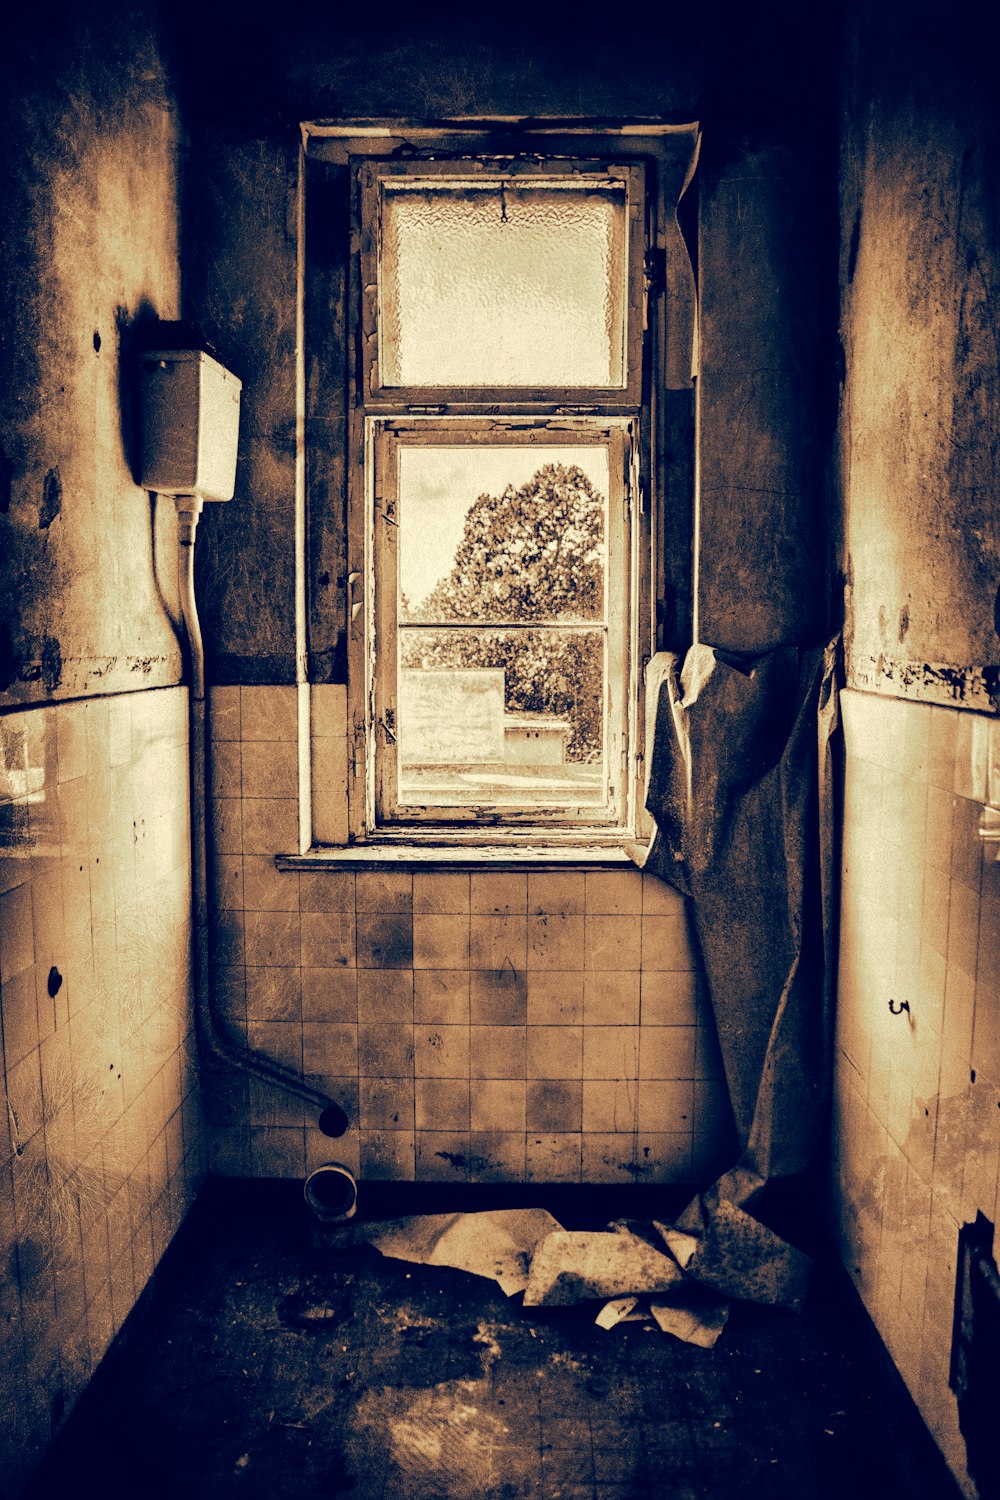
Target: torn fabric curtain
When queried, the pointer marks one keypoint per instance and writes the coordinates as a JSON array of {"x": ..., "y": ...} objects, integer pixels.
[{"x": 741, "y": 790}]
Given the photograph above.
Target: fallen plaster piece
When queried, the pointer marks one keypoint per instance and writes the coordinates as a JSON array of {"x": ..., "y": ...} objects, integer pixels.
[
  {"x": 571, "y": 1266},
  {"x": 497, "y": 1243},
  {"x": 691, "y": 1315},
  {"x": 618, "y": 1310}
]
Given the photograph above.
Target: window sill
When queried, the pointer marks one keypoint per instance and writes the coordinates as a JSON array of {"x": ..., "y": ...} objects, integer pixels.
[{"x": 459, "y": 857}]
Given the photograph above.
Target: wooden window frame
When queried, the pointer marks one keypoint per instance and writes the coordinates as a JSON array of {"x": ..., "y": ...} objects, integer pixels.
[
  {"x": 637, "y": 409},
  {"x": 617, "y": 437}
]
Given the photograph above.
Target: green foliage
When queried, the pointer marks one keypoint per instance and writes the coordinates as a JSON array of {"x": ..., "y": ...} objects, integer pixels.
[{"x": 534, "y": 553}]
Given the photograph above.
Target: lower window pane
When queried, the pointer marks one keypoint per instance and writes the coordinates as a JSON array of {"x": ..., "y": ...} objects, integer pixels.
[{"x": 501, "y": 718}]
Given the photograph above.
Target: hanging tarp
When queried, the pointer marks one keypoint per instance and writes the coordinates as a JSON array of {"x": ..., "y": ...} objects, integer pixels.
[{"x": 741, "y": 790}]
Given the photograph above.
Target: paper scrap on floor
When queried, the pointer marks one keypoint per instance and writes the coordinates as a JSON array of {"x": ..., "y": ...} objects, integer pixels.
[
  {"x": 497, "y": 1243},
  {"x": 571, "y": 1266}
]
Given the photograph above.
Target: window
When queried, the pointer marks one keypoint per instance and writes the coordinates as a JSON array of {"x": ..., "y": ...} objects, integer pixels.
[{"x": 500, "y": 514}]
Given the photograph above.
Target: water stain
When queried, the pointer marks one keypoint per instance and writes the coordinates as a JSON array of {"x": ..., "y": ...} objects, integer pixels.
[{"x": 51, "y": 499}]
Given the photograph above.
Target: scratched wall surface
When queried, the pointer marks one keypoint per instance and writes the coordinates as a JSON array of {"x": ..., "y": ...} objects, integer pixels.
[
  {"x": 920, "y": 419},
  {"x": 88, "y": 141}
]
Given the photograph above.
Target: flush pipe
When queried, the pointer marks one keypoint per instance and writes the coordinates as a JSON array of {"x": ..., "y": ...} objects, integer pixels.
[{"x": 211, "y": 1033}]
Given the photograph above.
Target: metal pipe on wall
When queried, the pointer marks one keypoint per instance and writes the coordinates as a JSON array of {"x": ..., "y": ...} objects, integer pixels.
[{"x": 211, "y": 1031}]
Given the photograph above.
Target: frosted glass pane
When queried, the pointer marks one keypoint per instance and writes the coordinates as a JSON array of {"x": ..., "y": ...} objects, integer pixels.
[
  {"x": 502, "y": 534},
  {"x": 501, "y": 717},
  {"x": 519, "y": 287}
]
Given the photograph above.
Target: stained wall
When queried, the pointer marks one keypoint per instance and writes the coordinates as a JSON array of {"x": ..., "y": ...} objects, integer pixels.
[
  {"x": 917, "y": 1117},
  {"x": 100, "y": 1131}
]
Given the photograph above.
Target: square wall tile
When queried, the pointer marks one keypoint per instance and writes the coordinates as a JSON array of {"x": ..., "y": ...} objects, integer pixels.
[
  {"x": 385, "y": 994},
  {"x": 668, "y": 1106},
  {"x": 555, "y": 997},
  {"x": 327, "y": 890},
  {"x": 384, "y": 891},
  {"x": 613, "y": 942},
  {"x": 327, "y": 940},
  {"x": 269, "y": 713},
  {"x": 497, "y": 942},
  {"x": 660, "y": 898},
  {"x": 498, "y": 997},
  {"x": 663, "y": 1157},
  {"x": 272, "y": 937},
  {"x": 615, "y": 893},
  {"x": 268, "y": 889},
  {"x": 328, "y": 789},
  {"x": 270, "y": 768},
  {"x": 665, "y": 943},
  {"x": 441, "y": 996},
  {"x": 226, "y": 823},
  {"x": 385, "y": 1050},
  {"x": 227, "y": 881},
  {"x": 554, "y": 1105},
  {"x": 441, "y": 1051},
  {"x": 440, "y": 941},
  {"x": 499, "y": 893},
  {"x": 328, "y": 710},
  {"x": 556, "y": 893},
  {"x": 273, "y": 994},
  {"x": 225, "y": 769},
  {"x": 17, "y": 933},
  {"x": 270, "y": 825},
  {"x": 277, "y": 1152},
  {"x": 385, "y": 1103},
  {"x": 71, "y": 739},
  {"x": 224, "y": 713},
  {"x": 666, "y": 1052},
  {"x": 610, "y": 1051},
  {"x": 442, "y": 1156},
  {"x": 607, "y": 1158},
  {"x": 385, "y": 941},
  {"x": 279, "y": 1040},
  {"x": 387, "y": 1155},
  {"x": 441, "y": 893},
  {"x": 942, "y": 736},
  {"x": 497, "y": 1051},
  {"x": 610, "y": 998},
  {"x": 609, "y": 1105},
  {"x": 555, "y": 1052},
  {"x": 442, "y": 1103},
  {"x": 553, "y": 1157},
  {"x": 555, "y": 942},
  {"x": 498, "y": 1103},
  {"x": 496, "y": 1156},
  {"x": 329, "y": 995}
]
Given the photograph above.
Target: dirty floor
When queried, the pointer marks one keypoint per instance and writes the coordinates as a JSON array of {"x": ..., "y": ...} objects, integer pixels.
[{"x": 267, "y": 1360}]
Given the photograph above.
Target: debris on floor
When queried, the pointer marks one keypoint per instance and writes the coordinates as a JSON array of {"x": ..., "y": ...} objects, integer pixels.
[
  {"x": 692, "y": 1314},
  {"x": 571, "y": 1266},
  {"x": 273, "y": 1358},
  {"x": 496, "y": 1243},
  {"x": 739, "y": 1256},
  {"x": 676, "y": 1277}
]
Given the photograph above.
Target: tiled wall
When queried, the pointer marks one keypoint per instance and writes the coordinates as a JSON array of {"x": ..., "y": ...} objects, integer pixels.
[
  {"x": 100, "y": 1141},
  {"x": 918, "y": 1120},
  {"x": 496, "y": 1026}
]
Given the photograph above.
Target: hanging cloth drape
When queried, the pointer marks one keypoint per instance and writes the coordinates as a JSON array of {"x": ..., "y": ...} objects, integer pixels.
[{"x": 740, "y": 788}]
